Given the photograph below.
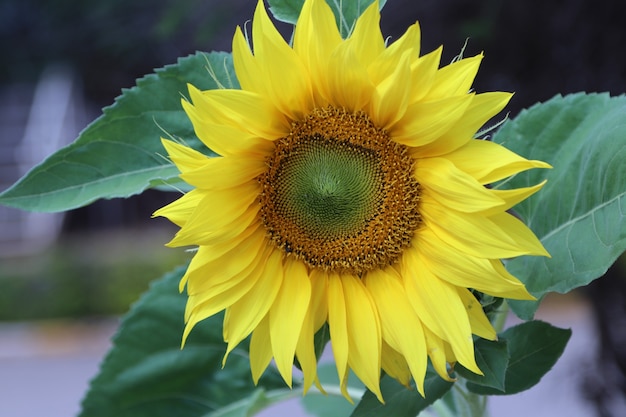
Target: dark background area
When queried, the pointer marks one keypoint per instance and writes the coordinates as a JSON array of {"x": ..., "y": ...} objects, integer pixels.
[{"x": 535, "y": 48}]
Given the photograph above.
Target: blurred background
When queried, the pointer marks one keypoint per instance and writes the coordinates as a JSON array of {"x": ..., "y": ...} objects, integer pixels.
[{"x": 66, "y": 278}]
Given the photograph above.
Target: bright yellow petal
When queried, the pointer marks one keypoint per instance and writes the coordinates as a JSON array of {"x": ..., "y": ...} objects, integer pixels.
[
  {"x": 454, "y": 188},
  {"x": 385, "y": 63},
  {"x": 480, "y": 324},
  {"x": 401, "y": 327},
  {"x": 489, "y": 162},
  {"x": 220, "y": 172},
  {"x": 394, "y": 365},
  {"x": 185, "y": 158},
  {"x": 319, "y": 298},
  {"x": 349, "y": 85},
  {"x": 423, "y": 73},
  {"x": 245, "y": 315},
  {"x": 364, "y": 338},
  {"x": 474, "y": 234},
  {"x": 260, "y": 349},
  {"x": 391, "y": 96},
  {"x": 246, "y": 66},
  {"x": 288, "y": 84},
  {"x": 514, "y": 196},
  {"x": 179, "y": 211},
  {"x": 316, "y": 36},
  {"x": 212, "y": 273},
  {"x": 367, "y": 40},
  {"x": 287, "y": 314},
  {"x": 437, "y": 354},
  {"x": 226, "y": 139},
  {"x": 482, "y": 108},
  {"x": 424, "y": 122},
  {"x": 522, "y": 235},
  {"x": 337, "y": 322},
  {"x": 246, "y": 110},
  {"x": 204, "y": 305},
  {"x": 468, "y": 271},
  {"x": 439, "y": 302},
  {"x": 210, "y": 218},
  {"x": 455, "y": 79}
]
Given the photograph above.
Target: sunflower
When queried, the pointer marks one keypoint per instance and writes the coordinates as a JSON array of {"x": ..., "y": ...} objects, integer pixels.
[{"x": 349, "y": 191}]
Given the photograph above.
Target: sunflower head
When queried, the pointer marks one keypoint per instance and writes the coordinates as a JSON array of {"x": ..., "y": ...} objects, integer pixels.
[{"x": 349, "y": 191}]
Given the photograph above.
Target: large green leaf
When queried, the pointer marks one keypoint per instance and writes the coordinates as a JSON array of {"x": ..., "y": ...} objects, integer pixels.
[
  {"x": 492, "y": 358},
  {"x": 120, "y": 153},
  {"x": 147, "y": 374},
  {"x": 580, "y": 214},
  {"x": 401, "y": 401},
  {"x": 533, "y": 348},
  {"x": 346, "y": 11}
]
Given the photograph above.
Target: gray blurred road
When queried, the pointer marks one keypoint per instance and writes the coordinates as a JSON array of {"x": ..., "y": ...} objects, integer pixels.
[{"x": 45, "y": 369}]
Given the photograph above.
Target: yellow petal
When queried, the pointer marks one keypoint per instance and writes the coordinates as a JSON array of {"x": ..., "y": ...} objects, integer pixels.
[
  {"x": 424, "y": 122},
  {"x": 367, "y": 40},
  {"x": 203, "y": 305},
  {"x": 423, "y": 73},
  {"x": 316, "y": 36},
  {"x": 489, "y": 162},
  {"x": 287, "y": 314},
  {"x": 394, "y": 365},
  {"x": 454, "y": 79},
  {"x": 245, "y": 65},
  {"x": 319, "y": 297},
  {"x": 288, "y": 84},
  {"x": 225, "y": 172},
  {"x": 226, "y": 139},
  {"x": 385, "y": 64},
  {"x": 244, "y": 109},
  {"x": 439, "y": 301},
  {"x": 401, "y": 327},
  {"x": 391, "y": 96},
  {"x": 179, "y": 211},
  {"x": 211, "y": 273},
  {"x": 522, "y": 235},
  {"x": 482, "y": 108},
  {"x": 454, "y": 188},
  {"x": 478, "y": 320},
  {"x": 209, "y": 218},
  {"x": 437, "y": 354},
  {"x": 514, "y": 196},
  {"x": 246, "y": 314},
  {"x": 349, "y": 85},
  {"x": 364, "y": 338},
  {"x": 260, "y": 349},
  {"x": 468, "y": 271},
  {"x": 185, "y": 158},
  {"x": 338, "y": 326},
  {"x": 474, "y": 234}
]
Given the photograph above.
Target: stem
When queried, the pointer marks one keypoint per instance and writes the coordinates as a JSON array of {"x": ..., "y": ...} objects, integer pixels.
[{"x": 500, "y": 316}]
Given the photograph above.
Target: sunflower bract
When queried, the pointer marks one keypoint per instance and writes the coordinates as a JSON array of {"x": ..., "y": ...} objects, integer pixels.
[{"x": 351, "y": 191}]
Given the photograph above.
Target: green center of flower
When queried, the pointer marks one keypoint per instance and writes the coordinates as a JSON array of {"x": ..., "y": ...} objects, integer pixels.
[
  {"x": 339, "y": 194},
  {"x": 330, "y": 189}
]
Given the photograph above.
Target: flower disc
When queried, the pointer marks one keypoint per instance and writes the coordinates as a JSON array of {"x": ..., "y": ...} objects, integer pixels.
[{"x": 339, "y": 194}]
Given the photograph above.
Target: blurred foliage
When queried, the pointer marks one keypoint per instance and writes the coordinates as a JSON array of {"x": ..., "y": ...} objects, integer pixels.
[{"x": 84, "y": 275}]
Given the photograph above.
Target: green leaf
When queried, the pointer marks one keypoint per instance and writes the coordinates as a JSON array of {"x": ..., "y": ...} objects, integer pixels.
[
  {"x": 147, "y": 374},
  {"x": 533, "y": 347},
  {"x": 492, "y": 358},
  {"x": 579, "y": 215},
  {"x": 401, "y": 401},
  {"x": 120, "y": 153},
  {"x": 346, "y": 11}
]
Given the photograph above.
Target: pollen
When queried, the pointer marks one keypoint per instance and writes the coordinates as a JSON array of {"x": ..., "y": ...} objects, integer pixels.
[{"x": 339, "y": 194}]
